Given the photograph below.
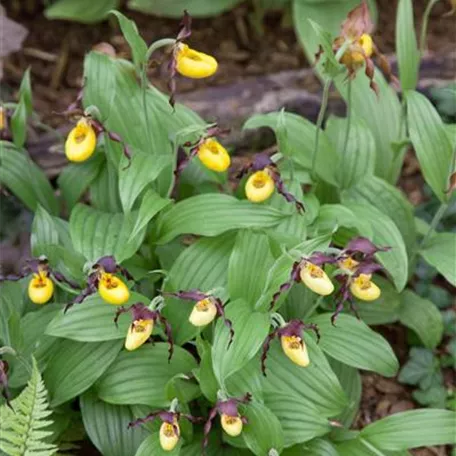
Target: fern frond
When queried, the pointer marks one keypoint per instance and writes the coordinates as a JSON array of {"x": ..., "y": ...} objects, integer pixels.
[{"x": 22, "y": 429}]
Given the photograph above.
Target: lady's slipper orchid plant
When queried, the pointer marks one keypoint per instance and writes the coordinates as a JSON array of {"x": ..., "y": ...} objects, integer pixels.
[
  {"x": 103, "y": 279},
  {"x": 291, "y": 339},
  {"x": 169, "y": 433},
  {"x": 231, "y": 420},
  {"x": 205, "y": 310},
  {"x": 41, "y": 286},
  {"x": 4, "y": 367},
  {"x": 265, "y": 178},
  {"x": 143, "y": 320}
]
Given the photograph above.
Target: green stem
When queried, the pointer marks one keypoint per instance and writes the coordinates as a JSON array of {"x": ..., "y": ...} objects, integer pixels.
[
  {"x": 321, "y": 116},
  {"x": 435, "y": 221},
  {"x": 424, "y": 25},
  {"x": 349, "y": 116}
]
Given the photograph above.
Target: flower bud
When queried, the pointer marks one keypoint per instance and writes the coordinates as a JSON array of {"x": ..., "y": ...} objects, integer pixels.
[
  {"x": 40, "y": 289},
  {"x": 203, "y": 312},
  {"x": 316, "y": 279},
  {"x": 363, "y": 288},
  {"x": 169, "y": 436},
  {"x": 81, "y": 142},
  {"x": 295, "y": 348},
  {"x": 232, "y": 425},
  {"x": 259, "y": 186},
  {"x": 214, "y": 156},
  {"x": 138, "y": 333},
  {"x": 194, "y": 64},
  {"x": 113, "y": 290}
]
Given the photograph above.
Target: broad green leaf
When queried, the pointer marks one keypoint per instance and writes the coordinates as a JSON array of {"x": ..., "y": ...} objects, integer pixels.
[
  {"x": 386, "y": 234},
  {"x": 92, "y": 321},
  {"x": 300, "y": 422},
  {"x": 151, "y": 446},
  {"x": 250, "y": 262},
  {"x": 430, "y": 141},
  {"x": 319, "y": 447},
  {"x": 439, "y": 251},
  {"x": 361, "y": 447},
  {"x": 408, "y": 55},
  {"x": 130, "y": 32},
  {"x": 203, "y": 266},
  {"x": 249, "y": 378},
  {"x": 140, "y": 377},
  {"x": 423, "y": 317},
  {"x": 205, "y": 374},
  {"x": 300, "y": 303},
  {"x": 85, "y": 11},
  {"x": 352, "y": 342},
  {"x": 25, "y": 179},
  {"x": 316, "y": 384},
  {"x": 104, "y": 190},
  {"x": 44, "y": 230},
  {"x": 263, "y": 431},
  {"x": 301, "y": 141},
  {"x": 77, "y": 177},
  {"x": 250, "y": 331},
  {"x": 412, "y": 429},
  {"x": 358, "y": 162},
  {"x": 95, "y": 233},
  {"x": 144, "y": 169},
  {"x": 107, "y": 426},
  {"x": 22, "y": 111},
  {"x": 389, "y": 200},
  {"x": 196, "y": 8},
  {"x": 220, "y": 213},
  {"x": 76, "y": 367}
]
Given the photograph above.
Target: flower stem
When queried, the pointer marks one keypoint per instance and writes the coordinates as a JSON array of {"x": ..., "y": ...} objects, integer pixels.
[
  {"x": 424, "y": 25},
  {"x": 435, "y": 221},
  {"x": 321, "y": 116},
  {"x": 349, "y": 116}
]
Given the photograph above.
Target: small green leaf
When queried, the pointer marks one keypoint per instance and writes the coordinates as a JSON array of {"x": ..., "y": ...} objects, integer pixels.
[
  {"x": 22, "y": 111},
  {"x": 422, "y": 369}
]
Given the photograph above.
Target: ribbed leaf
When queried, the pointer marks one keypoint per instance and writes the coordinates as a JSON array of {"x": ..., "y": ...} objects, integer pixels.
[
  {"x": 220, "y": 213},
  {"x": 23, "y": 177},
  {"x": 104, "y": 191},
  {"x": 151, "y": 446},
  {"x": 423, "y": 317},
  {"x": 106, "y": 425},
  {"x": 432, "y": 145},
  {"x": 412, "y": 429},
  {"x": 300, "y": 134},
  {"x": 250, "y": 262},
  {"x": 439, "y": 252},
  {"x": 358, "y": 161},
  {"x": 95, "y": 233},
  {"x": 76, "y": 366},
  {"x": 263, "y": 431},
  {"x": 300, "y": 422},
  {"x": 316, "y": 384},
  {"x": 85, "y": 11},
  {"x": 140, "y": 377},
  {"x": 92, "y": 321},
  {"x": 203, "y": 266},
  {"x": 22, "y": 111},
  {"x": 320, "y": 447},
  {"x": 408, "y": 55},
  {"x": 361, "y": 447},
  {"x": 250, "y": 331}
]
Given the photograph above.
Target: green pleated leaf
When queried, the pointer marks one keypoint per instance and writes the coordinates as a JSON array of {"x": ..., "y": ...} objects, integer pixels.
[
  {"x": 352, "y": 342},
  {"x": 300, "y": 423},
  {"x": 316, "y": 384},
  {"x": 250, "y": 331},
  {"x": 22, "y": 111},
  {"x": 140, "y": 377},
  {"x": 197, "y": 8},
  {"x": 432, "y": 145},
  {"x": 389, "y": 200},
  {"x": 25, "y": 179},
  {"x": 423, "y": 317},
  {"x": 300, "y": 134},
  {"x": 106, "y": 425},
  {"x": 220, "y": 213},
  {"x": 263, "y": 431},
  {"x": 76, "y": 367},
  {"x": 203, "y": 266},
  {"x": 250, "y": 262},
  {"x": 85, "y": 11},
  {"x": 361, "y": 447},
  {"x": 385, "y": 234},
  {"x": 104, "y": 190},
  {"x": 412, "y": 429},
  {"x": 358, "y": 162},
  {"x": 319, "y": 447},
  {"x": 439, "y": 252},
  {"x": 77, "y": 177},
  {"x": 92, "y": 321},
  {"x": 408, "y": 55},
  {"x": 95, "y": 233},
  {"x": 151, "y": 446},
  {"x": 249, "y": 378}
]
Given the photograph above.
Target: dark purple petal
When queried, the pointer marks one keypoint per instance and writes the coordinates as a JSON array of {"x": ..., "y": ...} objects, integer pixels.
[
  {"x": 4, "y": 382},
  {"x": 294, "y": 277},
  {"x": 261, "y": 161},
  {"x": 207, "y": 427},
  {"x": 221, "y": 312},
  {"x": 61, "y": 278},
  {"x": 290, "y": 198},
  {"x": 265, "y": 350},
  {"x": 319, "y": 259},
  {"x": 86, "y": 292},
  {"x": 229, "y": 407},
  {"x": 107, "y": 263},
  {"x": 169, "y": 334},
  {"x": 368, "y": 267},
  {"x": 190, "y": 295},
  {"x": 293, "y": 328},
  {"x": 148, "y": 418},
  {"x": 186, "y": 27},
  {"x": 364, "y": 246}
]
